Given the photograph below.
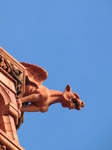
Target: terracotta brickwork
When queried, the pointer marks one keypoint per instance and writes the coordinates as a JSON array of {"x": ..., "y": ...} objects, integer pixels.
[{"x": 12, "y": 84}]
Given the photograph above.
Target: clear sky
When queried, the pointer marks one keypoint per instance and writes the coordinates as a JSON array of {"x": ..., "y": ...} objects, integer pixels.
[{"x": 72, "y": 40}]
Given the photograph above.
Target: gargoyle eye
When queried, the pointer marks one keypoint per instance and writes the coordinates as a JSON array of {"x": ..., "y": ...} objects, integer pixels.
[
  {"x": 74, "y": 100},
  {"x": 76, "y": 95}
]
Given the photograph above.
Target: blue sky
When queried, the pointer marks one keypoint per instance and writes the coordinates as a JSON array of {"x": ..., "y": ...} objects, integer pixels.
[{"x": 72, "y": 40}]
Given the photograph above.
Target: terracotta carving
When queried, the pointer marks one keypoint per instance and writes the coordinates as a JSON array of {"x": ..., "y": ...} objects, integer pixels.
[
  {"x": 21, "y": 90},
  {"x": 38, "y": 97},
  {"x": 2, "y": 147},
  {"x": 17, "y": 72}
]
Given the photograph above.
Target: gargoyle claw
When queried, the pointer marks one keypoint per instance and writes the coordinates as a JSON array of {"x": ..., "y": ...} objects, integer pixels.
[{"x": 19, "y": 103}]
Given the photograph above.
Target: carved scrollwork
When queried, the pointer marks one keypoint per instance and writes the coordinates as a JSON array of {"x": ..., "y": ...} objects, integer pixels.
[
  {"x": 14, "y": 71},
  {"x": 4, "y": 64},
  {"x": 17, "y": 74},
  {"x": 3, "y": 147}
]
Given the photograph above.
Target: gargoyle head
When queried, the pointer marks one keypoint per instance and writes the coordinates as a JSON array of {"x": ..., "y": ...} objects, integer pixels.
[{"x": 71, "y": 99}]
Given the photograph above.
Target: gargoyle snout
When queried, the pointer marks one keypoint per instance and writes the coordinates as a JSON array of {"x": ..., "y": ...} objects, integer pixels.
[
  {"x": 78, "y": 103},
  {"x": 82, "y": 104}
]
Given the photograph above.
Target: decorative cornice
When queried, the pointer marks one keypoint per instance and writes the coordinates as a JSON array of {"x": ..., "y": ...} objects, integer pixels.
[{"x": 13, "y": 68}]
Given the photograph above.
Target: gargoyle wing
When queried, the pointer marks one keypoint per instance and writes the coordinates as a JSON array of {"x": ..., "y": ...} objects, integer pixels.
[{"x": 35, "y": 74}]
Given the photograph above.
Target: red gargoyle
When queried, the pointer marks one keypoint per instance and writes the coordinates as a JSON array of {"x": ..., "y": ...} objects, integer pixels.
[{"x": 38, "y": 97}]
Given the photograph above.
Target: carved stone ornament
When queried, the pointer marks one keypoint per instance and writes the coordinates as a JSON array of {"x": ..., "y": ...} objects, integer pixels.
[{"x": 15, "y": 70}]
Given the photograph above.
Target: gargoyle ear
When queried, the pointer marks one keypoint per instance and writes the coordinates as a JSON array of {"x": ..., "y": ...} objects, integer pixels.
[
  {"x": 68, "y": 88},
  {"x": 65, "y": 96}
]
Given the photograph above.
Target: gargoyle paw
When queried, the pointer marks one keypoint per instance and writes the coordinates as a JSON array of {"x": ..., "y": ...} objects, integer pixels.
[{"x": 19, "y": 103}]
